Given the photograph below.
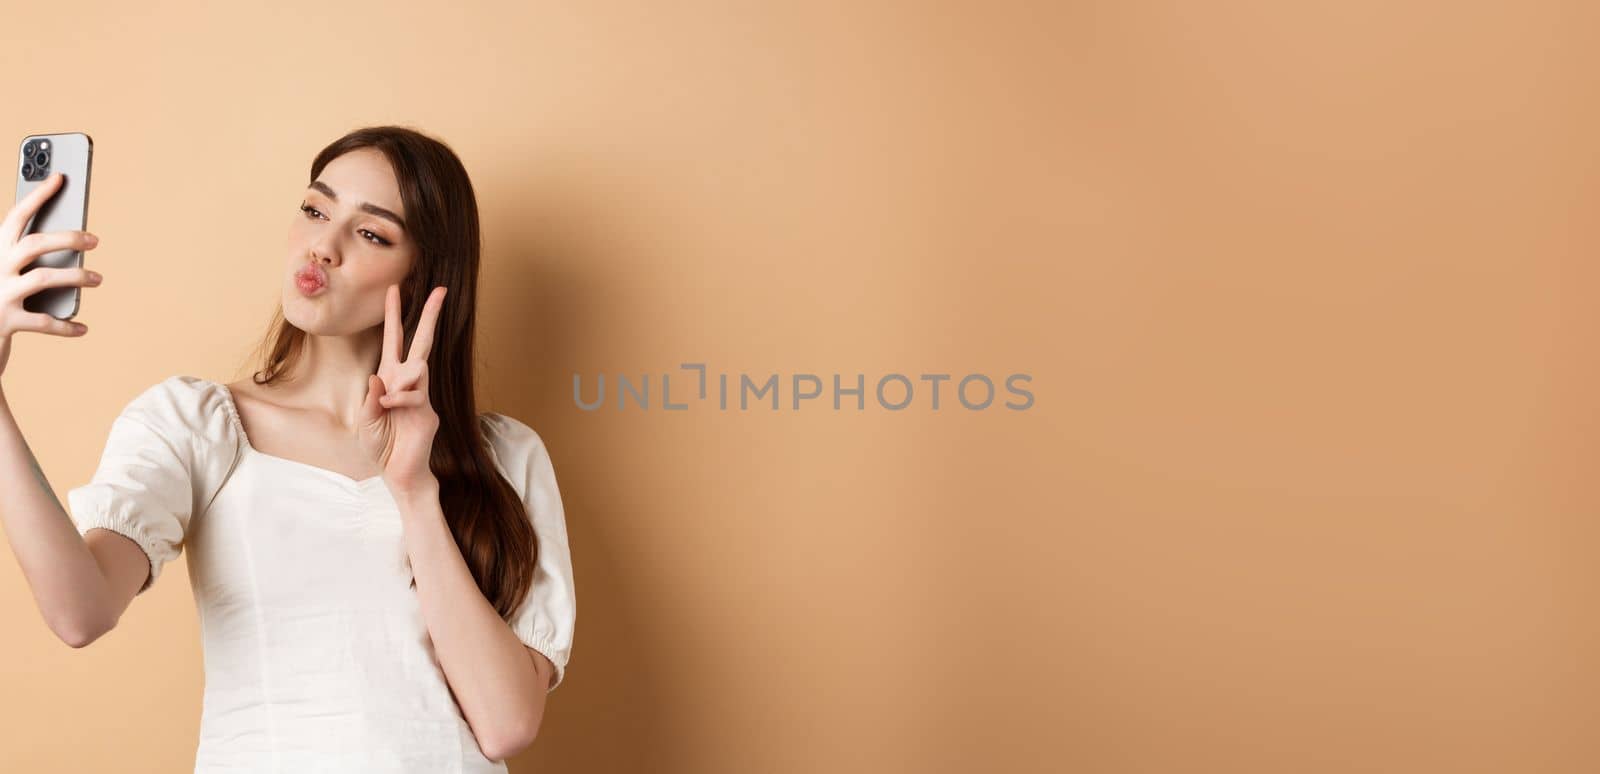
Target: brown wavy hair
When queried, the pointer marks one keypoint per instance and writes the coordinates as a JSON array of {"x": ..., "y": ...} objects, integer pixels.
[{"x": 487, "y": 518}]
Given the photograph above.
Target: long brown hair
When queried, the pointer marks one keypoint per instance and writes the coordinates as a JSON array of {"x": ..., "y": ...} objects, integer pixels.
[{"x": 488, "y": 520}]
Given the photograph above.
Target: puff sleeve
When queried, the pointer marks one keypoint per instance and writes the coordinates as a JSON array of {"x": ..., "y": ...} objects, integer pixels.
[
  {"x": 165, "y": 456},
  {"x": 547, "y": 618}
]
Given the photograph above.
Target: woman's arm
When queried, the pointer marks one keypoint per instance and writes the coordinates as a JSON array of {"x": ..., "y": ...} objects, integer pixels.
[
  {"x": 499, "y": 683},
  {"x": 67, "y": 572},
  {"x": 81, "y": 584}
]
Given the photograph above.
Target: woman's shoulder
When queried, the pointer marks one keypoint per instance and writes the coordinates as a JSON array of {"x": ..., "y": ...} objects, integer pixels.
[
  {"x": 512, "y": 441},
  {"x": 521, "y": 455},
  {"x": 504, "y": 426},
  {"x": 183, "y": 403},
  {"x": 182, "y": 390}
]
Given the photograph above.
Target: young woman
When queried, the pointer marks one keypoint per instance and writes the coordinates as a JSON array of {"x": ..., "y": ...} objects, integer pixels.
[{"x": 381, "y": 572}]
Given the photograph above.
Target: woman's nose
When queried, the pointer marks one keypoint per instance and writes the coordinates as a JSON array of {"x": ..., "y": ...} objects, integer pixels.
[{"x": 326, "y": 254}]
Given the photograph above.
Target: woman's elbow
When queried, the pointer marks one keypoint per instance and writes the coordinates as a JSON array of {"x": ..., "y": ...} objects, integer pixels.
[
  {"x": 513, "y": 741},
  {"x": 79, "y": 632}
]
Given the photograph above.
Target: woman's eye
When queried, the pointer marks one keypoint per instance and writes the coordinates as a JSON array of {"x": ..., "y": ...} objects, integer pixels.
[{"x": 311, "y": 212}]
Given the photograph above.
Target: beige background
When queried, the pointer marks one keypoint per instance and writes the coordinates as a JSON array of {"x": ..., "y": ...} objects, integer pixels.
[{"x": 1305, "y": 292}]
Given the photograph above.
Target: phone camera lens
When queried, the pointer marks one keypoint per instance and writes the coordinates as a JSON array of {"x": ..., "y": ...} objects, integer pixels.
[
  {"x": 43, "y": 159},
  {"x": 27, "y": 170},
  {"x": 29, "y": 147}
]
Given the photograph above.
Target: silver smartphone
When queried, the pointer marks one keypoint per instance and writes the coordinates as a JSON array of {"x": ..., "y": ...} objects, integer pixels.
[{"x": 38, "y": 156}]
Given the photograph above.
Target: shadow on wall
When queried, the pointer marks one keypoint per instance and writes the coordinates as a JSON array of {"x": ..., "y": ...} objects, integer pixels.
[{"x": 543, "y": 313}]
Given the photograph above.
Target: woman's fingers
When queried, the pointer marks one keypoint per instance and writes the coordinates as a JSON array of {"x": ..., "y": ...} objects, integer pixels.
[
  {"x": 23, "y": 211},
  {"x": 422, "y": 343},
  {"x": 407, "y": 398},
  {"x": 51, "y": 277},
  {"x": 392, "y": 327},
  {"x": 403, "y": 394},
  {"x": 406, "y": 377},
  {"x": 34, "y": 245},
  {"x": 372, "y": 407},
  {"x": 44, "y": 323}
]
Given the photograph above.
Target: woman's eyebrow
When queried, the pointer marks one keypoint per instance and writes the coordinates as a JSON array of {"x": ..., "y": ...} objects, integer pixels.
[{"x": 365, "y": 206}]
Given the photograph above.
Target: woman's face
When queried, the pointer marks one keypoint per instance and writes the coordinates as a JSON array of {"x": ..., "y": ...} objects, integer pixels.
[{"x": 347, "y": 227}]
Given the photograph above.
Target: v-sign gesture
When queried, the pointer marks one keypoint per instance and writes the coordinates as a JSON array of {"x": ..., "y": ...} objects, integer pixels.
[{"x": 397, "y": 420}]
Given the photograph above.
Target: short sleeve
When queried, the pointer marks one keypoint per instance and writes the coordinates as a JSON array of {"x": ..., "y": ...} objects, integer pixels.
[
  {"x": 166, "y": 454},
  {"x": 548, "y": 616}
]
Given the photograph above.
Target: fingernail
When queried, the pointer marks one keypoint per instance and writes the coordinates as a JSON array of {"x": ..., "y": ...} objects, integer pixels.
[
  {"x": 92, "y": 239},
  {"x": 94, "y": 276}
]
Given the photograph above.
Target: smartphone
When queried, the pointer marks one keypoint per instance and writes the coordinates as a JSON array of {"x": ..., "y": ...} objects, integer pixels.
[{"x": 38, "y": 156}]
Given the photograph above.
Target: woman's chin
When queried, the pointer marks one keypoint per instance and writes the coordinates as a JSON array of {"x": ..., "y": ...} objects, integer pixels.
[{"x": 307, "y": 315}]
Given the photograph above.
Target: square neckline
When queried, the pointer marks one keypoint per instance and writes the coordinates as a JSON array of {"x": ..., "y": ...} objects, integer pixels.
[{"x": 244, "y": 437}]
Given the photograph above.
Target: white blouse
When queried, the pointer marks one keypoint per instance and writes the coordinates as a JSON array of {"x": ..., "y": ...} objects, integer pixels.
[{"x": 317, "y": 658}]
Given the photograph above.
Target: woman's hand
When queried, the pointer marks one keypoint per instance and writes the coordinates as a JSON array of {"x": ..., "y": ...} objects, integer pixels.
[
  {"x": 17, "y": 251},
  {"x": 398, "y": 421}
]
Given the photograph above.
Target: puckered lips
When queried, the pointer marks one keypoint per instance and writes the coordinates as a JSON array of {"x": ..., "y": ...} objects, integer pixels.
[{"x": 311, "y": 279}]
